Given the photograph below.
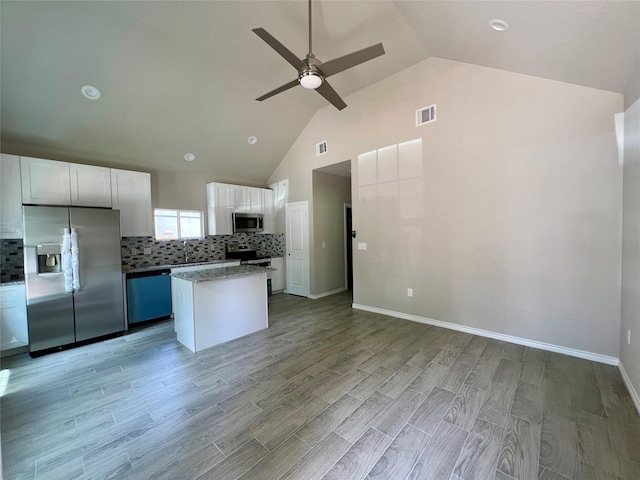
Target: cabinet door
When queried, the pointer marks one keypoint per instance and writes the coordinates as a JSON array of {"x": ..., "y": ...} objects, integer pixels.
[
  {"x": 226, "y": 197},
  {"x": 220, "y": 202},
  {"x": 277, "y": 277},
  {"x": 255, "y": 199},
  {"x": 45, "y": 182},
  {"x": 90, "y": 186},
  {"x": 242, "y": 199},
  {"x": 10, "y": 197},
  {"x": 131, "y": 194},
  {"x": 267, "y": 210},
  {"x": 13, "y": 317}
]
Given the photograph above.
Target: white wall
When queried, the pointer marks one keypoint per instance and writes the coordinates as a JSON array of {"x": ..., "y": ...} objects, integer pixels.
[
  {"x": 630, "y": 354},
  {"x": 515, "y": 228}
]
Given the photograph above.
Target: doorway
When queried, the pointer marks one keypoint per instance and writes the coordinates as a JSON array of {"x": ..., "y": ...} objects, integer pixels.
[{"x": 348, "y": 246}]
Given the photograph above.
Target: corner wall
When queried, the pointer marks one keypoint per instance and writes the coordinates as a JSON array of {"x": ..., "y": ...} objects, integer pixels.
[
  {"x": 518, "y": 230},
  {"x": 630, "y": 312}
]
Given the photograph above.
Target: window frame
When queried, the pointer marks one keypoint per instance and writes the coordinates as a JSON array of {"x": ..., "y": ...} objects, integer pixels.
[{"x": 178, "y": 213}]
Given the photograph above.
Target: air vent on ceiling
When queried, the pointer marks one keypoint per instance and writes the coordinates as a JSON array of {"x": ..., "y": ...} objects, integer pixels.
[
  {"x": 426, "y": 115},
  {"x": 321, "y": 148}
]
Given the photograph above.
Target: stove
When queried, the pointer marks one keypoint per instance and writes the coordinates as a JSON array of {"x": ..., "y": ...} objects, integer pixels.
[{"x": 247, "y": 253}]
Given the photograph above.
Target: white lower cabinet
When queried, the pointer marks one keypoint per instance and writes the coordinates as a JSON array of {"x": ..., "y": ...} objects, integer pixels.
[
  {"x": 277, "y": 277},
  {"x": 13, "y": 317}
]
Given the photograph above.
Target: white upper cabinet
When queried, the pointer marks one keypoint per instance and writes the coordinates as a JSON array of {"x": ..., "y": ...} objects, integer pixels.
[
  {"x": 45, "y": 182},
  {"x": 131, "y": 194},
  {"x": 10, "y": 197},
  {"x": 268, "y": 210},
  {"x": 90, "y": 185},
  {"x": 221, "y": 198},
  {"x": 224, "y": 199}
]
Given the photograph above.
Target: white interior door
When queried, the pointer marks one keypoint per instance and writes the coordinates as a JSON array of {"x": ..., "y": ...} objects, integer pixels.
[{"x": 297, "y": 241}]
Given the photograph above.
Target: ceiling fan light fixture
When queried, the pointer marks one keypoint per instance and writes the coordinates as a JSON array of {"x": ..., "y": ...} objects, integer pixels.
[{"x": 310, "y": 80}]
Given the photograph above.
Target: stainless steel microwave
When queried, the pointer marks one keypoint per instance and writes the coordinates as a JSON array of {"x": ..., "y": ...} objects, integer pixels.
[{"x": 247, "y": 222}]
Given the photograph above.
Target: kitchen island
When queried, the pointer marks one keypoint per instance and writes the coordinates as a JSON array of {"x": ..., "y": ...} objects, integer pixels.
[{"x": 213, "y": 306}]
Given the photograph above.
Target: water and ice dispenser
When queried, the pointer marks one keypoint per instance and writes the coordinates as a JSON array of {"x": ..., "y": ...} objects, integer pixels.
[{"x": 49, "y": 258}]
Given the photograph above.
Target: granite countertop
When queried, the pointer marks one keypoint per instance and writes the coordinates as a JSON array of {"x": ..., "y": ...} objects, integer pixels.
[
  {"x": 12, "y": 283},
  {"x": 150, "y": 268},
  {"x": 222, "y": 273}
]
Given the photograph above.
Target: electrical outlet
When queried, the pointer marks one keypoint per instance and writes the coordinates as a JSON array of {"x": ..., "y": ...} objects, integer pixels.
[
  {"x": 324, "y": 245},
  {"x": 147, "y": 250},
  {"x": 629, "y": 337},
  {"x": 409, "y": 292},
  {"x": 362, "y": 246}
]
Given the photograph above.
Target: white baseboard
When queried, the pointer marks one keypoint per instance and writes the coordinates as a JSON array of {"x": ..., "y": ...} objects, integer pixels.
[
  {"x": 326, "y": 294},
  {"x": 632, "y": 389},
  {"x": 596, "y": 357}
]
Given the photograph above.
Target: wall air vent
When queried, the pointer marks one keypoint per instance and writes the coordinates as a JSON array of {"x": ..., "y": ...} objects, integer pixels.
[
  {"x": 321, "y": 148},
  {"x": 426, "y": 115}
]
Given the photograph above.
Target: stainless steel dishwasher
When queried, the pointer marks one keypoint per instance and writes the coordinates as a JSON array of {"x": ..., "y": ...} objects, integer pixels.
[{"x": 148, "y": 295}]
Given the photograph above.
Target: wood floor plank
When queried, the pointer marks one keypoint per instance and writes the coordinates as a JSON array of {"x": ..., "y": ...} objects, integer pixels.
[
  {"x": 559, "y": 445},
  {"x": 520, "y": 449},
  {"x": 399, "y": 381},
  {"x": 398, "y": 460},
  {"x": 497, "y": 404},
  {"x": 237, "y": 463},
  {"x": 317, "y": 462},
  {"x": 391, "y": 420},
  {"x": 370, "y": 384},
  {"x": 359, "y": 421},
  {"x": 479, "y": 455},
  {"x": 440, "y": 455},
  {"x": 528, "y": 402},
  {"x": 360, "y": 458},
  {"x": 465, "y": 407},
  {"x": 277, "y": 462},
  {"x": 318, "y": 427},
  {"x": 455, "y": 376},
  {"x": 431, "y": 412},
  {"x": 428, "y": 378}
]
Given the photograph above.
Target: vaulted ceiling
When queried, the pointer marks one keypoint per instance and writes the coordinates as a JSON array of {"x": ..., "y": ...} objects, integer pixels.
[{"x": 181, "y": 77}]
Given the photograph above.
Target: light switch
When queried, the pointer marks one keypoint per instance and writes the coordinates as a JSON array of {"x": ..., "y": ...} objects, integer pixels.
[
  {"x": 147, "y": 250},
  {"x": 362, "y": 246}
]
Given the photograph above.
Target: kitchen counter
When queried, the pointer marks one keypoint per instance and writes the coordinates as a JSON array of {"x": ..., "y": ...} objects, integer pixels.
[
  {"x": 216, "y": 305},
  {"x": 12, "y": 283},
  {"x": 150, "y": 268},
  {"x": 222, "y": 273}
]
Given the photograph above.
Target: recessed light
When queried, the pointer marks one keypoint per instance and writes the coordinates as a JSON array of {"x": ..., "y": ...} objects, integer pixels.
[
  {"x": 252, "y": 139},
  {"x": 92, "y": 93},
  {"x": 499, "y": 25},
  {"x": 189, "y": 157}
]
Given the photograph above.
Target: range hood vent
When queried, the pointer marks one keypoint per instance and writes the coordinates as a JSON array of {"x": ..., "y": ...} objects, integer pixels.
[{"x": 426, "y": 115}]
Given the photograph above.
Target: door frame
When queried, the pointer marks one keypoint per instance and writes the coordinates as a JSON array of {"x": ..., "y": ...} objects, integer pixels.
[
  {"x": 347, "y": 236},
  {"x": 307, "y": 290}
]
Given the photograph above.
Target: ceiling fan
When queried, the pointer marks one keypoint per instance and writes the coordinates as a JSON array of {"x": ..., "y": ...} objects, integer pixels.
[{"x": 312, "y": 73}]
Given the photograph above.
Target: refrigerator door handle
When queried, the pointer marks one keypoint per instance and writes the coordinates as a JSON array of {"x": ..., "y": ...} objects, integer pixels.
[{"x": 75, "y": 259}]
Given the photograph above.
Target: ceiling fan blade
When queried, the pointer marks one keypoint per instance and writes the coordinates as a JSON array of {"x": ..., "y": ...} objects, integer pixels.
[
  {"x": 340, "y": 64},
  {"x": 284, "y": 87},
  {"x": 331, "y": 95},
  {"x": 284, "y": 52}
]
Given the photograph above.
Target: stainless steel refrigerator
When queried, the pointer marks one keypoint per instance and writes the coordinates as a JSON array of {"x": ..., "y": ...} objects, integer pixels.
[{"x": 62, "y": 311}]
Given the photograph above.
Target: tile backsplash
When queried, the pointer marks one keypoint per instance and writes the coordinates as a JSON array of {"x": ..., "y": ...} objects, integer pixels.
[
  {"x": 11, "y": 260},
  {"x": 163, "y": 252}
]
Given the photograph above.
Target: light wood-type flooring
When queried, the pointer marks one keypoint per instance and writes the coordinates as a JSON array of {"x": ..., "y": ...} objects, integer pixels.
[{"x": 325, "y": 392}]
